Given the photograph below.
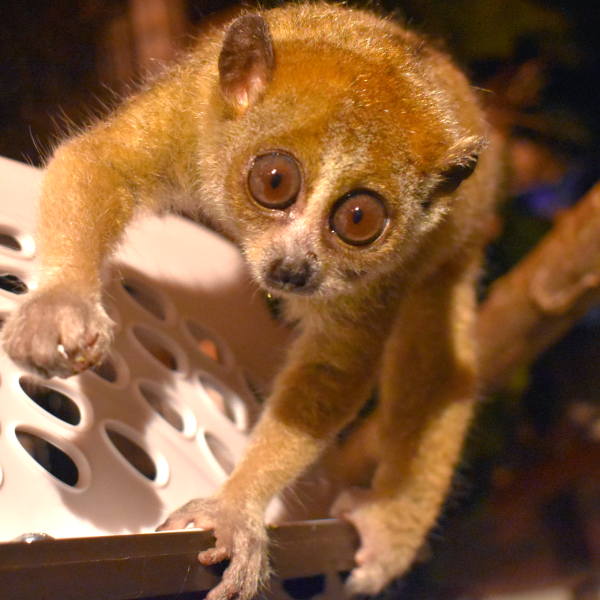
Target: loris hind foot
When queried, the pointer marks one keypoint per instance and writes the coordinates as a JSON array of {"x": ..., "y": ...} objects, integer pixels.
[{"x": 384, "y": 554}]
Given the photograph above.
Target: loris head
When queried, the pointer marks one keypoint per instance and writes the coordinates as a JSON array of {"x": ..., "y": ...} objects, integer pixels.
[{"x": 342, "y": 145}]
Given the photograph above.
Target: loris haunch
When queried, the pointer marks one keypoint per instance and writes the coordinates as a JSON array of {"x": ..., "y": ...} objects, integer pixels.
[{"x": 349, "y": 161}]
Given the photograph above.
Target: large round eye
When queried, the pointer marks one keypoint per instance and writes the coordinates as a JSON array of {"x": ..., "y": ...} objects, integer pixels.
[
  {"x": 274, "y": 180},
  {"x": 358, "y": 219}
]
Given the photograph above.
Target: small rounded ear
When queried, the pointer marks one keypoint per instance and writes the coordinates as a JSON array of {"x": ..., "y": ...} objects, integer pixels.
[
  {"x": 452, "y": 176},
  {"x": 458, "y": 165},
  {"x": 246, "y": 61}
]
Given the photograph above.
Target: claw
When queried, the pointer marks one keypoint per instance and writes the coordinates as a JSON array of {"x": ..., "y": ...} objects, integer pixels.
[{"x": 57, "y": 332}]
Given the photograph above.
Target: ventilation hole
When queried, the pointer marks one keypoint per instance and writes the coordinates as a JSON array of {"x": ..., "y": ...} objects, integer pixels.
[
  {"x": 53, "y": 459},
  {"x": 303, "y": 588},
  {"x": 163, "y": 406},
  {"x": 209, "y": 349},
  {"x": 228, "y": 403},
  {"x": 254, "y": 388},
  {"x": 219, "y": 397},
  {"x": 220, "y": 452},
  {"x": 137, "y": 457},
  {"x": 10, "y": 241},
  {"x": 52, "y": 401},
  {"x": 106, "y": 370},
  {"x": 145, "y": 298},
  {"x": 156, "y": 346},
  {"x": 12, "y": 284},
  {"x": 204, "y": 342}
]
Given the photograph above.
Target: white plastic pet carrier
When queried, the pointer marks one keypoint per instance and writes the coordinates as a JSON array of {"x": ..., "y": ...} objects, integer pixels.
[{"x": 89, "y": 466}]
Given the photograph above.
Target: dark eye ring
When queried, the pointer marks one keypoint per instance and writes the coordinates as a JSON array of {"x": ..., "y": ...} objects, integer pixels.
[
  {"x": 274, "y": 180},
  {"x": 359, "y": 218}
]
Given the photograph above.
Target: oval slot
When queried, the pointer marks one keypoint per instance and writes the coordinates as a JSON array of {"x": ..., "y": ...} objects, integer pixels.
[
  {"x": 145, "y": 297},
  {"x": 220, "y": 452},
  {"x": 205, "y": 343},
  {"x": 58, "y": 463},
  {"x": 52, "y": 401},
  {"x": 10, "y": 241},
  {"x": 13, "y": 284},
  {"x": 136, "y": 456},
  {"x": 226, "y": 402},
  {"x": 106, "y": 370},
  {"x": 162, "y": 405},
  {"x": 156, "y": 346}
]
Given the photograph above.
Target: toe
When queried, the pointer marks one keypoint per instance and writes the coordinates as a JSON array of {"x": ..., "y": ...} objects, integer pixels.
[
  {"x": 368, "y": 580},
  {"x": 212, "y": 556}
]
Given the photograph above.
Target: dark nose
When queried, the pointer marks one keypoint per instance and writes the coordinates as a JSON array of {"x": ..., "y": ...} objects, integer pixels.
[{"x": 289, "y": 275}]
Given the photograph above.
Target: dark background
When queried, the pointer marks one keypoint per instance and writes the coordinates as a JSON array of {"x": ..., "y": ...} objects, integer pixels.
[{"x": 64, "y": 59}]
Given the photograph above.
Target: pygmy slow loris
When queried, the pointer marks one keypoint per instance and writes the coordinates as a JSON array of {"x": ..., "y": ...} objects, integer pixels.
[{"x": 348, "y": 159}]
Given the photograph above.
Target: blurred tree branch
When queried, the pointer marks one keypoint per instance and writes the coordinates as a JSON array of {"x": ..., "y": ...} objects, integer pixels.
[{"x": 541, "y": 298}]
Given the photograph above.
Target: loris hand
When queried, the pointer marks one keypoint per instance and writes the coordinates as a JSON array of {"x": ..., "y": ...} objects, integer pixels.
[
  {"x": 57, "y": 332},
  {"x": 240, "y": 537}
]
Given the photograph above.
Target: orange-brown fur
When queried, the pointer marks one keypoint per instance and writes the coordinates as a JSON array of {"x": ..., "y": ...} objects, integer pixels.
[{"x": 358, "y": 103}]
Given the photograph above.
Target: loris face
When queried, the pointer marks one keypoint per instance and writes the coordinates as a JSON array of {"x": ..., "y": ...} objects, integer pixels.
[
  {"x": 312, "y": 241},
  {"x": 337, "y": 192},
  {"x": 305, "y": 232},
  {"x": 309, "y": 229}
]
